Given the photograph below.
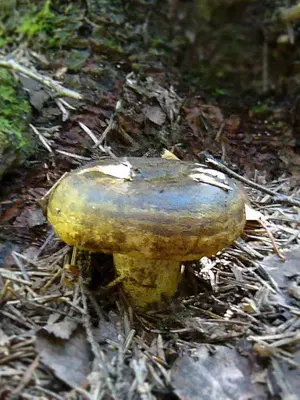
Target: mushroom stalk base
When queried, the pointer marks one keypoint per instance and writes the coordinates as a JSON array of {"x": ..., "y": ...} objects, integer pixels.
[{"x": 147, "y": 281}]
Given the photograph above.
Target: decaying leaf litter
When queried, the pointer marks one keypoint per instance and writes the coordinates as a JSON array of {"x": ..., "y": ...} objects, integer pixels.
[{"x": 63, "y": 335}]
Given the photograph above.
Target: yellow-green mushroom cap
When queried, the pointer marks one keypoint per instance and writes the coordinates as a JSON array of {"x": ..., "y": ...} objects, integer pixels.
[{"x": 148, "y": 209}]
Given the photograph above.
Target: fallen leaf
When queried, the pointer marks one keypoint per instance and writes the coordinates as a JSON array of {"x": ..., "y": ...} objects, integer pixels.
[
  {"x": 294, "y": 290},
  {"x": 12, "y": 212},
  {"x": 285, "y": 273},
  {"x": 38, "y": 96},
  {"x": 256, "y": 216},
  {"x": 109, "y": 330},
  {"x": 168, "y": 155},
  {"x": 221, "y": 374},
  {"x": 212, "y": 114},
  {"x": 70, "y": 360},
  {"x": 31, "y": 252},
  {"x": 109, "y": 335},
  {"x": 31, "y": 217},
  {"x": 155, "y": 115},
  {"x": 122, "y": 170},
  {"x": 288, "y": 387},
  {"x": 253, "y": 215},
  {"x": 62, "y": 329},
  {"x": 6, "y": 259},
  {"x": 4, "y": 343}
]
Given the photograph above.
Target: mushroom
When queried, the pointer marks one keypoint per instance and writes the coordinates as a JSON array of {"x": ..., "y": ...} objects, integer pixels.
[{"x": 151, "y": 214}]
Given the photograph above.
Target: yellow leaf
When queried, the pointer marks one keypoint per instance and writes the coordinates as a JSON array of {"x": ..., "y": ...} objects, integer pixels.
[{"x": 168, "y": 155}]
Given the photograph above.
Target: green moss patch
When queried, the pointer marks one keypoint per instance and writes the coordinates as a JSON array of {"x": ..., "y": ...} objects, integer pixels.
[{"x": 16, "y": 143}]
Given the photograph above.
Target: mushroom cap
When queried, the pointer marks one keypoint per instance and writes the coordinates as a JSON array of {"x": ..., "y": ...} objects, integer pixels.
[{"x": 156, "y": 209}]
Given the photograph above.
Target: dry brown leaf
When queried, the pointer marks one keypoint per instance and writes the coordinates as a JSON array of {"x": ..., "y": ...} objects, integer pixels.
[
  {"x": 70, "y": 360},
  {"x": 155, "y": 114}
]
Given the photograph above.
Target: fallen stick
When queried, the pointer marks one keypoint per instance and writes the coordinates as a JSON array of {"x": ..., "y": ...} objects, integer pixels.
[
  {"x": 46, "y": 81},
  {"x": 280, "y": 198}
]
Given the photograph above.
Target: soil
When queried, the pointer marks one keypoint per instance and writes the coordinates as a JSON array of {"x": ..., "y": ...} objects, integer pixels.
[{"x": 226, "y": 306}]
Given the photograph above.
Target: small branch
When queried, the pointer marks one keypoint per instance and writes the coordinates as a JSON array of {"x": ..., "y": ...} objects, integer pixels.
[
  {"x": 265, "y": 66},
  {"x": 109, "y": 127},
  {"x": 46, "y": 81},
  {"x": 280, "y": 198},
  {"x": 42, "y": 139},
  {"x": 26, "y": 377},
  {"x": 99, "y": 356}
]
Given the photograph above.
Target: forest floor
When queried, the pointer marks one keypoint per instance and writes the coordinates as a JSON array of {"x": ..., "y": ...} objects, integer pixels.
[{"x": 232, "y": 330}]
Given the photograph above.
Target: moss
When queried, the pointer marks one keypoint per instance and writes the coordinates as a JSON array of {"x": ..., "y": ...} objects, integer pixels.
[
  {"x": 16, "y": 143},
  {"x": 261, "y": 108},
  {"x": 35, "y": 22},
  {"x": 44, "y": 24}
]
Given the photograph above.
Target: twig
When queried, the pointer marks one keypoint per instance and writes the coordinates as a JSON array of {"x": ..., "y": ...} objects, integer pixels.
[
  {"x": 78, "y": 157},
  {"x": 109, "y": 127},
  {"x": 67, "y": 105},
  {"x": 46, "y": 81},
  {"x": 281, "y": 198},
  {"x": 265, "y": 66},
  {"x": 44, "y": 245},
  {"x": 94, "y": 346},
  {"x": 21, "y": 266},
  {"x": 46, "y": 195},
  {"x": 96, "y": 306},
  {"x": 104, "y": 149},
  {"x": 271, "y": 237},
  {"x": 26, "y": 377},
  {"x": 64, "y": 112},
  {"x": 220, "y": 131},
  {"x": 48, "y": 392},
  {"x": 43, "y": 140},
  {"x": 281, "y": 381}
]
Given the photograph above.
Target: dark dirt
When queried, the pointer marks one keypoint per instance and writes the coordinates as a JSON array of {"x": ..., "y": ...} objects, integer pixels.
[{"x": 255, "y": 135}]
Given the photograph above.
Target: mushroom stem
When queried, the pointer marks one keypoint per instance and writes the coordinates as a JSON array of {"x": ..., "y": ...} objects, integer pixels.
[{"x": 147, "y": 281}]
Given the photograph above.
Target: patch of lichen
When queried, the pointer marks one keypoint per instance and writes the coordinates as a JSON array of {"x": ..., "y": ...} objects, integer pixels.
[{"x": 15, "y": 139}]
